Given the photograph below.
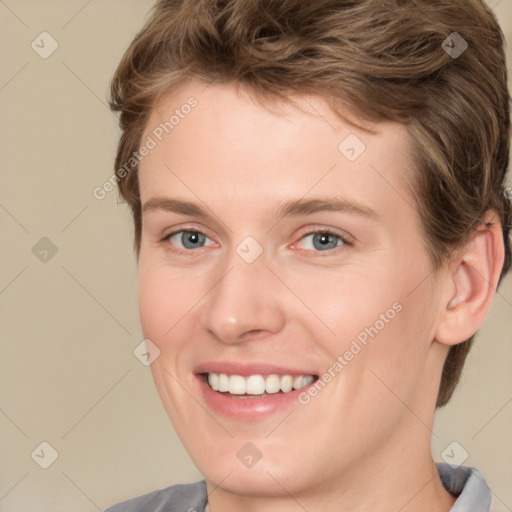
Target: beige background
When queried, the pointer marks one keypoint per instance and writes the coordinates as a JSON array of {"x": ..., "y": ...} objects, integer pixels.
[{"x": 69, "y": 325}]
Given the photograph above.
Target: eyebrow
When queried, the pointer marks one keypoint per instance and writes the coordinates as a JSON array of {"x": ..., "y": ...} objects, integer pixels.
[
  {"x": 309, "y": 206},
  {"x": 286, "y": 209}
]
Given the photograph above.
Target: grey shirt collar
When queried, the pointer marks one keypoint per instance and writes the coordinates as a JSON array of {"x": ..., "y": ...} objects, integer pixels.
[{"x": 469, "y": 485}]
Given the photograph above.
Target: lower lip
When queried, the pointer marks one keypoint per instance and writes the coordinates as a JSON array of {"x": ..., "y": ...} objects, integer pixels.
[{"x": 246, "y": 408}]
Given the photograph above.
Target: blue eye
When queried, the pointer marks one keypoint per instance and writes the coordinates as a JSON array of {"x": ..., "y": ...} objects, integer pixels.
[
  {"x": 187, "y": 239},
  {"x": 322, "y": 241}
]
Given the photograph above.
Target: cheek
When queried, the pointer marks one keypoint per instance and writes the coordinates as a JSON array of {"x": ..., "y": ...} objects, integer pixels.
[
  {"x": 346, "y": 304},
  {"x": 378, "y": 316},
  {"x": 165, "y": 297},
  {"x": 155, "y": 303},
  {"x": 395, "y": 343}
]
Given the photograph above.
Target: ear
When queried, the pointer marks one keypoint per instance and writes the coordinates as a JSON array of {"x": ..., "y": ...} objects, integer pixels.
[{"x": 471, "y": 283}]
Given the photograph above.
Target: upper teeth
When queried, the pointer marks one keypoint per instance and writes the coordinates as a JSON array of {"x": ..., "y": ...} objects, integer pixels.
[{"x": 257, "y": 384}]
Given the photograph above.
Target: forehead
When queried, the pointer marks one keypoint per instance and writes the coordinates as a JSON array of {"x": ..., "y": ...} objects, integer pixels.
[{"x": 221, "y": 142}]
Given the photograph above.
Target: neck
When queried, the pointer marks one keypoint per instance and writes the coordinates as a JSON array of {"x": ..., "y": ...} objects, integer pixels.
[
  {"x": 402, "y": 477},
  {"x": 426, "y": 495}
]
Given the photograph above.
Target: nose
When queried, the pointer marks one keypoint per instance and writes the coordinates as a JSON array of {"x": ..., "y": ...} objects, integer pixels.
[{"x": 245, "y": 302}]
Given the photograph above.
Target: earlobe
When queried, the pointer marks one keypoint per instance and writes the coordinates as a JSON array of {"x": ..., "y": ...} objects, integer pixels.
[{"x": 471, "y": 284}]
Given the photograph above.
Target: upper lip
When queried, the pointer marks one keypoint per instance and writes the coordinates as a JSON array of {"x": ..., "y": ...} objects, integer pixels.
[{"x": 246, "y": 369}]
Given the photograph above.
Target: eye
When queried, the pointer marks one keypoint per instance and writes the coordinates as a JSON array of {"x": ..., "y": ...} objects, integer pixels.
[
  {"x": 188, "y": 239},
  {"x": 322, "y": 241}
]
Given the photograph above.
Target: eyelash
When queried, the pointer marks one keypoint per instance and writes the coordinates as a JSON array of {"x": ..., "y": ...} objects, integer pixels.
[{"x": 329, "y": 252}]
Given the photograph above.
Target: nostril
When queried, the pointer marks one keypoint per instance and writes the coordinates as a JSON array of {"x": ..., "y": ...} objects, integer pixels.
[{"x": 255, "y": 333}]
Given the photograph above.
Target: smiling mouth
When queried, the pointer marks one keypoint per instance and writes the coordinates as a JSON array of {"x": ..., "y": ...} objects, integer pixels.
[{"x": 256, "y": 385}]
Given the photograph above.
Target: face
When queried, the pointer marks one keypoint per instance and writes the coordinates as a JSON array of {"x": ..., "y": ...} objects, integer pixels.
[{"x": 283, "y": 278}]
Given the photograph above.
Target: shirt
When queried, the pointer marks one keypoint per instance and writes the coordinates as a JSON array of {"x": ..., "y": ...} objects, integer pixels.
[{"x": 465, "y": 483}]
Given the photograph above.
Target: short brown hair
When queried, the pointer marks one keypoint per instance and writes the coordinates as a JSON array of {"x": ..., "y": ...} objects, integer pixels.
[{"x": 393, "y": 59}]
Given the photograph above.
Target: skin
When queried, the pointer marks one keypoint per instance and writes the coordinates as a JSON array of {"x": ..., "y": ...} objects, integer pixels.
[{"x": 363, "y": 443}]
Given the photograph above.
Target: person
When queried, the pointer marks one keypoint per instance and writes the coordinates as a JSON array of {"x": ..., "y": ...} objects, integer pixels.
[{"x": 321, "y": 224}]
